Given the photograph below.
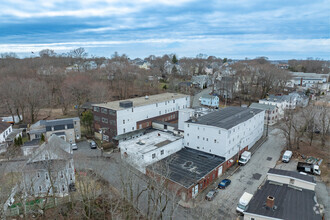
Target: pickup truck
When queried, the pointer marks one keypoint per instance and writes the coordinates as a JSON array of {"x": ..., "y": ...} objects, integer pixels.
[{"x": 308, "y": 168}]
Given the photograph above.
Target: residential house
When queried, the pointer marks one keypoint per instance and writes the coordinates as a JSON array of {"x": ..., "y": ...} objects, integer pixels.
[
  {"x": 68, "y": 129},
  {"x": 210, "y": 100},
  {"x": 30, "y": 146},
  {"x": 5, "y": 130},
  {"x": 124, "y": 118},
  {"x": 272, "y": 114},
  {"x": 226, "y": 132},
  {"x": 50, "y": 169},
  {"x": 202, "y": 81},
  {"x": 171, "y": 68},
  {"x": 281, "y": 102},
  {"x": 284, "y": 195}
]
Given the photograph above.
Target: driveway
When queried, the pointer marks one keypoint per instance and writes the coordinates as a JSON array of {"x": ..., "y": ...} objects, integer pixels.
[
  {"x": 247, "y": 178},
  {"x": 196, "y": 97}
]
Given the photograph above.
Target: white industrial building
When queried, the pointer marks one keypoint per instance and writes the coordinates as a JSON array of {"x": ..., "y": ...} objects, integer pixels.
[
  {"x": 149, "y": 148},
  {"x": 126, "y": 116},
  {"x": 186, "y": 114},
  {"x": 225, "y": 132}
]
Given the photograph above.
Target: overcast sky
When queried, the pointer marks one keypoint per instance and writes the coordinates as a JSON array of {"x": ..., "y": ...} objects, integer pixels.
[{"x": 224, "y": 28}]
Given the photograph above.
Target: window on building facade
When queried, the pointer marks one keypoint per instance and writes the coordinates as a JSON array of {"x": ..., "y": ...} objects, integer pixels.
[
  {"x": 162, "y": 152},
  {"x": 46, "y": 157},
  {"x": 40, "y": 188},
  {"x": 197, "y": 137},
  {"x": 173, "y": 101},
  {"x": 187, "y": 143},
  {"x": 132, "y": 128},
  {"x": 153, "y": 156},
  {"x": 96, "y": 109},
  {"x": 156, "y": 104},
  {"x": 188, "y": 125},
  {"x": 104, "y": 111},
  {"x": 112, "y": 112},
  {"x": 105, "y": 120},
  {"x": 38, "y": 174},
  {"x": 124, "y": 130},
  {"x": 123, "y": 121},
  {"x": 96, "y": 118},
  {"x": 46, "y": 176},
  {"x": 215, "y": 140}
]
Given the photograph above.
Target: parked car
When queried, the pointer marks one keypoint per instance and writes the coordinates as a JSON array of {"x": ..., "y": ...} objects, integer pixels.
[
  {"x": 287, "y": 156},
  {"x": 211, "y": 194},
  {"x": 93, "y": 145},
  {"x": 224, "y": 183},
  {"x": 74, "y": 146}
]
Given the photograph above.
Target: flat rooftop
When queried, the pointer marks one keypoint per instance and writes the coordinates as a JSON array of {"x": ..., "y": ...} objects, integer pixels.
[
  {"x": 262, "y": 106},
  {"x": 148, "y": 142},
  {"x": 227, "y": 117},
  {"x": 293, "y": 174},
  {"x": 290, "y": 202},
  {"x": 187, "y": 166},
  {"x": 141, "y": 101}
]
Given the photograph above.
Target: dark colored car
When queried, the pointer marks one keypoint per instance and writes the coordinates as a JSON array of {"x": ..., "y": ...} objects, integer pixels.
[
  {"x": 224, "y": 183},
  {"x": 210, "y": 195}
]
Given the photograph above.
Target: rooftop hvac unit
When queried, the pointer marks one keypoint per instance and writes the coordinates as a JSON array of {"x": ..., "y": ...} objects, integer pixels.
[{"x": 126, "y": 104}]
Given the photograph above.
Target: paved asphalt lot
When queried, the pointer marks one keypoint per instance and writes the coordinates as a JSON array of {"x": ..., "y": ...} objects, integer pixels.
[{"x": 247, "y": 178}]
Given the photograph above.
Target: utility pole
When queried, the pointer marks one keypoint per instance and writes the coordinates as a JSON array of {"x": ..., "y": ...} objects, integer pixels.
[{"x": 267, "y": 123}]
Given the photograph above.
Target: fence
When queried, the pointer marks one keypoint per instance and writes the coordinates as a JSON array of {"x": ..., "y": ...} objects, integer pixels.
[{"x": 36, "y": 206}]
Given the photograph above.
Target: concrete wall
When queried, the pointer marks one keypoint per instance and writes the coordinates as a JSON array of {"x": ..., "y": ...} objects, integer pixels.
[
  {"x": 222, "y": 142},
  {"x": 184, "y": 115}
]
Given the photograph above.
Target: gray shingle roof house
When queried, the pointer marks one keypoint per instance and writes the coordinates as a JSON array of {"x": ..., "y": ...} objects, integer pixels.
[
  {"x": 67, "y": 128},
  {"x": 50, "y": 169}
]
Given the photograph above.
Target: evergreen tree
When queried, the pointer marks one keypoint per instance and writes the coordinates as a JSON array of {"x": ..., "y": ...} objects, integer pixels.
[
  {"x": 165, "y": 87},
  {"x": 174, "y": 59},
  {"x": 87, "y": 120},
  {"x": 20, "y": 140},
  {"x": 42, "y": 138}
]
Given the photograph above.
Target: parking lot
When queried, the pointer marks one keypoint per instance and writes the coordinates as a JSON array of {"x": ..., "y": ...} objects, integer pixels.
[
  {"x": 247, "y": 178},
  {"x": 85, "y": 150}
]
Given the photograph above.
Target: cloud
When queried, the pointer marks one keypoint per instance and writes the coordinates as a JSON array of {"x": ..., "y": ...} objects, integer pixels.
[{"x": 182, "y": 26}]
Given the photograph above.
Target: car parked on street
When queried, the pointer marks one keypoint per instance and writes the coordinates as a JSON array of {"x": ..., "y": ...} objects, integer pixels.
[
  {"x": 211, "y": 194},
  {"x": 93, "y": 145},
  {"x": 74, "y": 146},
  {"x": 224, "y": 183}
]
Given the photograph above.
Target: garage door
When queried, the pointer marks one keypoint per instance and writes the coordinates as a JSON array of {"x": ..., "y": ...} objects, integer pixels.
[{"x": 220, "y": 171}]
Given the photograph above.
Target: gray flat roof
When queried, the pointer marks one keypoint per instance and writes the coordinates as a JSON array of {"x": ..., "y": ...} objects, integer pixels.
[
  {"x": 293, "y": 174},
  {"x": 262, "y": 106},
  {"x": 290, "y": 202},
  {"x": 227, "y": 117},
  {"x": 141, "y": 101},
  {"x": 187, "y": 166}
]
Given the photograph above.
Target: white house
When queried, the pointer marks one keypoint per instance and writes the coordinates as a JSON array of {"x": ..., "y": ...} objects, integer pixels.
[
  {"x": 50, "y": 169},
  {"x": 271, "y": 112},
  {"x": 5, "y": 130},
  {"x": 225, "y": 132},
  {"x": 280, "y": 102},
  {"x": 149, "y": 148},
  {"x": 210, "y": 100}
]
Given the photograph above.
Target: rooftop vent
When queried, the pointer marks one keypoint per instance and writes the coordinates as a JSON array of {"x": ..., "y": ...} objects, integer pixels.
[
  {"x": 126, "y": 104},
  {"x": 270, "y": 202}
]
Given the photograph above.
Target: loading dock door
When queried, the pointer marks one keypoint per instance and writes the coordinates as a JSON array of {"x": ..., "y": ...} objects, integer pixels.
[
  {"x": 195, "y": 191},
  {"x": 220, "y": 171}
]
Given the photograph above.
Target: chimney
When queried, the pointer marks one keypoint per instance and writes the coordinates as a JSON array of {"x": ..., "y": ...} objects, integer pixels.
[{"x": 270, "y": 202}]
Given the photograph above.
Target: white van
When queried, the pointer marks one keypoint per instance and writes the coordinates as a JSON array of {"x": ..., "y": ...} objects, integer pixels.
[
  {"x": 244, "y": 202},
  {"x": 287, "y": 156},
  {"x": 245, "y": 157}
]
